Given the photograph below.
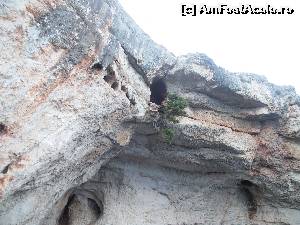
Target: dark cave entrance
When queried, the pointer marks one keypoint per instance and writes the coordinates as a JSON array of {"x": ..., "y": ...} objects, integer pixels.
[
  {"x": 158, "y": 90},
  {"x": 74, "y": 205},
  {"x": 250, "y": 190},
  {"x": 64, "y": 217},
  {"x": 3, "y": 128},
  {"x": 97, "y": 66}
]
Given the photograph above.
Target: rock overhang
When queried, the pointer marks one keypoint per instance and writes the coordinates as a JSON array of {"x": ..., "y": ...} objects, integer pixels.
[{"x": 64, "y": 119}]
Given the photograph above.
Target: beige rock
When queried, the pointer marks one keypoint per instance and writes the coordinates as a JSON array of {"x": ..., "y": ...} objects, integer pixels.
[{"x": 80, "y": 145}]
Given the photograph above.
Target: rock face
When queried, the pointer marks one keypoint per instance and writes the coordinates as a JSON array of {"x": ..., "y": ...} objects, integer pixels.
[{"x": 78, "y": 144}]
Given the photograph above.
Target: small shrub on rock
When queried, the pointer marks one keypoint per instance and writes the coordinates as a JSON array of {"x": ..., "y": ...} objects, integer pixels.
[
  {"x": 174, "y": 106},
  {"x": 168, "y": 134}
]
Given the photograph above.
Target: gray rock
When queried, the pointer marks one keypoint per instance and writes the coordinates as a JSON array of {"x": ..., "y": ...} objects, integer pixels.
[{"x": 79, "y": 143}]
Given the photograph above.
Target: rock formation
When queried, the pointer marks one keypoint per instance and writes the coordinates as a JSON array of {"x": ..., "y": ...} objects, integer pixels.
[{"x": 78, "y": 144}]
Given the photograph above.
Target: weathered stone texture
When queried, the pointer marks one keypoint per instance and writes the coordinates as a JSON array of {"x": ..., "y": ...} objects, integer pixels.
[{"x": 78, "y": 142}]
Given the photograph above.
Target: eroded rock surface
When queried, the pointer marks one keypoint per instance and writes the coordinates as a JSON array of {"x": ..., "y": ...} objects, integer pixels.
[{"x": 78, "y": 140}]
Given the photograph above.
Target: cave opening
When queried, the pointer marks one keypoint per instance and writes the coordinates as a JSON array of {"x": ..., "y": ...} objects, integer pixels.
[
  {"x": 5, "y": 170},
  {"x": 64, "y": 218},
  {"x": 97, "y": 66},
  {"x": 80, "y": 207},
  {"x": 110, "y": 78},
  {"x": 249, "y": 190},
  {"x": 95, "y": 207},
  {"x": 246, "y": 183},
  {"x": 158, "y": 90},
  {"x": 3, "y": 128},
  {"x": 115, "y": 85}
]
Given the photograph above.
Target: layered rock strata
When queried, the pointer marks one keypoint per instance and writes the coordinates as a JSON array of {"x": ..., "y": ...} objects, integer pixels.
[{"x": 78, "y": 141}]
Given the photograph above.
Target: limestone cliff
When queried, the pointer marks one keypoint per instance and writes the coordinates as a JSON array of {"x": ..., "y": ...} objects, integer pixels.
[{"x": 78, "y": 144}]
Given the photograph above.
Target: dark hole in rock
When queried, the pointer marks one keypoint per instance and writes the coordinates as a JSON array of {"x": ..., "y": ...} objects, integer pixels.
[
  {"x": 124, "y": 88},
  {"x": 5, "y": 170},
  {"x": 96, "y": 208},
  {"x": 65, "y": 217},
  {"x": 132, "y": 101},
  {"x": 249, "y": 190},
  {"x": 81, "y": 207},
  {"x": 110, "y": 78},
  {"x": 246, "y": 183},
  {"x": 97, "y": 66},
  {"x": 115, "y": 85},
  {"x": 158, "y": 90},
  {"x": 110, "y": 71},
  {"x": 3, "y": 128}
]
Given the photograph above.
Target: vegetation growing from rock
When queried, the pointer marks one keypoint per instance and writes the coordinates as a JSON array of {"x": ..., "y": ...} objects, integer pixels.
[
  {"x": 173, "y": 107},
  {"x": 168, "y": 134},
  {"x": 170, "y": 110}
]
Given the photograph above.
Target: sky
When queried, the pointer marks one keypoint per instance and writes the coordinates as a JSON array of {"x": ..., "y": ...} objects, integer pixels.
[{"x": 267, "y": 45}]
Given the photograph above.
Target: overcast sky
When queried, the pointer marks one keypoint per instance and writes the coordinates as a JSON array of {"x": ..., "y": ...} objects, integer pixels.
[{"x": 267, "y": 45}]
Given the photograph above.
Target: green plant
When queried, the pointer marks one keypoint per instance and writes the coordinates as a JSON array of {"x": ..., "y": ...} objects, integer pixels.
[
  {"x": 173, "y": 107},
  {"x": 168, "y": 134}
]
